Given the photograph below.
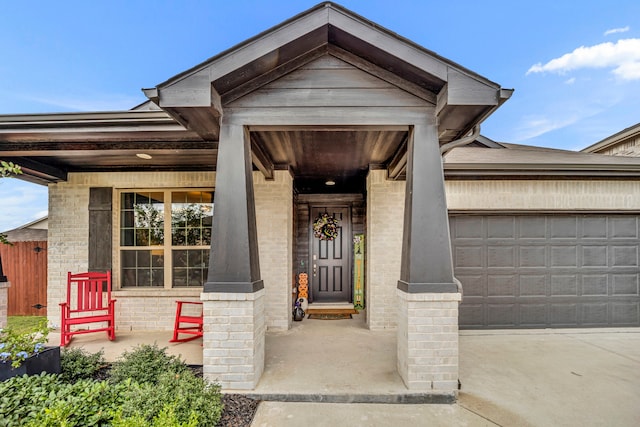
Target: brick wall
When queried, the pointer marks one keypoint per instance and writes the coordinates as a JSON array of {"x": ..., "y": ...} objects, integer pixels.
[
  {"x": 428, "y": 341},
  {"x": 385, "y": 217},
  {"x": 274, "y": 208},
  {"x": 69, "y": 234},
  {"x": 234, "y": 339}
]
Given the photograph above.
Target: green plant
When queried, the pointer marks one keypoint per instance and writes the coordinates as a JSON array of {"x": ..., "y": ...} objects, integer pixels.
[
  {"x": 181, "y": 396},
  {"x": 16, "y": 347},
  {"x": 77, "y": 364},
  {"x": 144, "y": 364},
  {"x": 166, "y": 418},
  {"x": 46, "y": 400}
]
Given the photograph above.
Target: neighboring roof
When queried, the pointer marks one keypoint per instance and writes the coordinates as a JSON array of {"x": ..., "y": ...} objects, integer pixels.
[
  {"x": 621, "y": 137},
  {"x": 526, "y": 161},
  {"x": 33, "y": 231}
]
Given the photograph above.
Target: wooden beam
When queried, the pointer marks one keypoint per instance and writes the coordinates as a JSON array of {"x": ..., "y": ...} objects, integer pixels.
[
  {"x": 47, "y": 148},
  {"x": 398, "y": 164},
  {"x": 273, "y": 74},
  {"x": 261, "y": 159},
  {"x": 383, "y": 74}
]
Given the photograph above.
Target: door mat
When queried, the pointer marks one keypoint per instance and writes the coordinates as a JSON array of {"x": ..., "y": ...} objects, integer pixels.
[{"x": 329, "y": 316}]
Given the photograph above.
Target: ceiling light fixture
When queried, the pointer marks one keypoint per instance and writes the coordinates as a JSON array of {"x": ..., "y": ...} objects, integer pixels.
[
  {"x": 144, "y": 156},
  {"x": 329, "y": 182}
]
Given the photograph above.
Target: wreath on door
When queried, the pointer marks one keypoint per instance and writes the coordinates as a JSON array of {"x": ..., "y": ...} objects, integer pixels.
[{"x": 325, "y": 227}]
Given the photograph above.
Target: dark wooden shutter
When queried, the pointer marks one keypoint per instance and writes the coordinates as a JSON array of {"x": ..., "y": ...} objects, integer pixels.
[{"x": 100, "y": 228}]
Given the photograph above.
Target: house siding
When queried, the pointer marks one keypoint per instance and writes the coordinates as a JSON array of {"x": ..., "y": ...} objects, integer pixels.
[{"x": 565, "y": 195}]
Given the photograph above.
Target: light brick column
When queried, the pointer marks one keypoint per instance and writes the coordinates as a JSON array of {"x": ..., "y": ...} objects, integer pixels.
[
  {"x": 4, "y": 303},
  {"x": 234, "y": 336},
  {"x": 428, "y": 341}
]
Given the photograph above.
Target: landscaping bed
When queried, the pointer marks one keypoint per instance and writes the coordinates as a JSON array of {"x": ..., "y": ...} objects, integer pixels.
[{"x": 146, "y": 387}]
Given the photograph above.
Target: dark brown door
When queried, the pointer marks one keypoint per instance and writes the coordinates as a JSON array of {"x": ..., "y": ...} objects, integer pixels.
[{"x": 330, "y": 259}]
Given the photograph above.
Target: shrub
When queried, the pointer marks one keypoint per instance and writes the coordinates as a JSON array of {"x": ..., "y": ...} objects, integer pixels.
[
  {"x": 166, "y": 418},
  {"x": 144, "y": 364},
  {"x": 179, "y": 396},
  {"x": 46, "y": 400},
  {"x": 76, "y": 364}
]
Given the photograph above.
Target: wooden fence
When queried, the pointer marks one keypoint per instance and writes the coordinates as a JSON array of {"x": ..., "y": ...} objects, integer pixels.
[{"x": 25, "y": 265}]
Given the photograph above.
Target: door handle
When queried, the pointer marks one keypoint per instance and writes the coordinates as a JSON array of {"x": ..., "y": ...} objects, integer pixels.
[{"x": 315, "y": 269}]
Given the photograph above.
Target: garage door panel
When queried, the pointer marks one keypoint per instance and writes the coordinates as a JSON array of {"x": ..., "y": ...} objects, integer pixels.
[
  {"x": 564, "y": 285},
  {"x": 563, "y": 227},
  {"x": 532, "y": 228},
  {"x": 533, "y": 284},
  {"x": 502, "y": 285},
  {"x": 624, "y": 256},
  {"x": 501, "y": 315},
  {"x": 565, "y": 314},
  {"x": 470, "y": 227},
  {"x": 533, "y": 315},
  {"x": 501, "y": 256},
  {"x": 501, "y": 227},
  {"x": 473, "y": 285},
  {"x": 472, "y": 315},
  {"x": 548, "y": 270},
  {"x": 624, "y": 227},
  {"x": 469, "y": 256},
  {"x": 533, "y": 256},
  {"x": 564, "y": 256},
  {"x": 594, "y": 256},
  {"x": 595, "y": 284},
  {"x": 625, "y": 314},
  {"x": 594, "y": 314},
  {"x": 595, "y": 227},
  {"x": 625, "y": 284}
]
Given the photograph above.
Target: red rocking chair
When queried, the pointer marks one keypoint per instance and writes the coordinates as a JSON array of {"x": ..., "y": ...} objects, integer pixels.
[
  {"x": 88, "y": 301},
  {"x": 187, "y": 324}
]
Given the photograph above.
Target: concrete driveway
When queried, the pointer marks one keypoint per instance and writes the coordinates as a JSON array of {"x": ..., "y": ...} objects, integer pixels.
[{"x": 586, "y": 377}]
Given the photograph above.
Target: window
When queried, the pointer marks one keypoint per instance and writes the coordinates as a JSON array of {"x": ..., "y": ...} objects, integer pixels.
[{"x": 165, "y": 238}]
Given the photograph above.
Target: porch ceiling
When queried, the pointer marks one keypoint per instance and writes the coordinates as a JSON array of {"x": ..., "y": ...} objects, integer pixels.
[{"x": 341, "y": 155}]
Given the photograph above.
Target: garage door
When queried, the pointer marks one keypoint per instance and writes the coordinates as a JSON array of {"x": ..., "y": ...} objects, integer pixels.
[{"x": 521, "y": 271}]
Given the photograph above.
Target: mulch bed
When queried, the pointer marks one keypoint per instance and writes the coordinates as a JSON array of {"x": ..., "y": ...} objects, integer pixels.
[{"x": 238, "y": 409}]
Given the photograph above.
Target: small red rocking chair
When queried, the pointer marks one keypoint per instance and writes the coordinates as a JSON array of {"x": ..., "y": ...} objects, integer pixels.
[
  {"x": 88, "y": 301},
  {"x": 187, "y": 324}
]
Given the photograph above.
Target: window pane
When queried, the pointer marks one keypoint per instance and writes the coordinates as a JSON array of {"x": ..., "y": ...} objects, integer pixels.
[
  {"x": 191, "y": 215},
  {"x": 190, "y": 267},
  {"x": 142, "y": 268},
  {"x": 142, "y": 216}
]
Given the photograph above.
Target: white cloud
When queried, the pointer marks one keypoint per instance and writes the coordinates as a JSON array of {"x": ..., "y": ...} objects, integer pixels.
[
  {"x": 91, "y": 103},
  {"x": 623, "y": 56},
  {"x": 570, "y": 81},
  {"x": 534, "y": 126},
  {"x": 22, "y": 202},
  {"x": 617, "y": 30}
]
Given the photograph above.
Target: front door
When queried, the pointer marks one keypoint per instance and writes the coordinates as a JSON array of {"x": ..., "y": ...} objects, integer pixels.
[{"x": 330, "y": 259}]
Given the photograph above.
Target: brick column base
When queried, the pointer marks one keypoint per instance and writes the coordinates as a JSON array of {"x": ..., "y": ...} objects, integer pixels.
[
  {"x": 233, "y": 340},
  {"x": 4, "y": 303},
  {"x": 428, "y": 341}
]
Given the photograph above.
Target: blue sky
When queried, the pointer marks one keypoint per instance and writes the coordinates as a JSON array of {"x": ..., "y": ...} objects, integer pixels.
[{"x": 575, "y": 66}]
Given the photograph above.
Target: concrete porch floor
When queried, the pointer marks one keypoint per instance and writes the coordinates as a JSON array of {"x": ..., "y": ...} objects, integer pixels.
[{"x": 587, "y": 377}]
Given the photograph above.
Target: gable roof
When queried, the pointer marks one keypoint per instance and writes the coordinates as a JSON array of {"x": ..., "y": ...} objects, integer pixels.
[
  {"x": 197, "y": 96},
  {"x": 616, "y": 142}
]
